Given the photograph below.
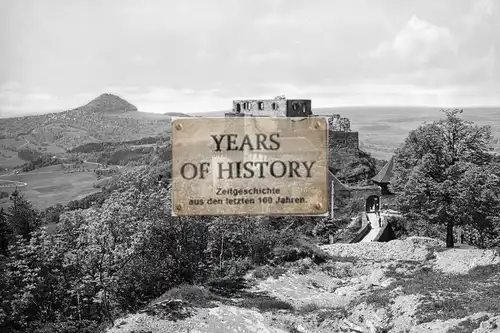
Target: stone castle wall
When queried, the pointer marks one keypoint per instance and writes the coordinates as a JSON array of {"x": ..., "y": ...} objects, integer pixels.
[
  {"x": 342, "y": 142},
  {"x": 347, "y": 141},
  {"x": 342, "y": 145},
  {"x": 336, "y": 123},
  {"x": 261, "y": 107},
  {"x": 365, "y": 191},
  {"x": 277, "y": 107}
]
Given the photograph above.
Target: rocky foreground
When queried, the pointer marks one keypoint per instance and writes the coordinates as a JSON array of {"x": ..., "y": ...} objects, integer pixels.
[{"x": 412, "y": 286}]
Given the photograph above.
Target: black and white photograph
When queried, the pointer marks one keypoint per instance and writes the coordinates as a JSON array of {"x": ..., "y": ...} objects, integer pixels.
[{"x": 249, "y": 166}]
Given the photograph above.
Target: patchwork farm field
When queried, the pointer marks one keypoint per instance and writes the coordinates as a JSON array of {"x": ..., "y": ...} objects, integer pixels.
[{"x": 50, "y": 185}]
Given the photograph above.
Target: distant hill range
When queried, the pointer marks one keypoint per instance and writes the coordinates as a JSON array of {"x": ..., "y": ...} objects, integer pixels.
[
  {"x": 109, "y": 118},
  {"x": 106, "y": 118},
  {"x": 383, "y": 128},
  {"x": 176, "y": 114}
]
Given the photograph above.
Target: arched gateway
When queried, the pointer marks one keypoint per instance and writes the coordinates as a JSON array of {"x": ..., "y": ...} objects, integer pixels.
[{"x": 373, "y": 204}]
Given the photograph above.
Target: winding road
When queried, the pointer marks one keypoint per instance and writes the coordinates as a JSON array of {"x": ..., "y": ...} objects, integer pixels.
[
  {"x": 11, "y": 183},
  {"x": 98, "y": 164},
  {"x": 27, "y": 143},
  {"x": 374, "y": 221},
  {"x": 4, "y": 183}
]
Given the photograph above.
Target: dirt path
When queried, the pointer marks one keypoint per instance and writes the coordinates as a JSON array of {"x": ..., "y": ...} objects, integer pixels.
[{"x": 11, "y": 183}]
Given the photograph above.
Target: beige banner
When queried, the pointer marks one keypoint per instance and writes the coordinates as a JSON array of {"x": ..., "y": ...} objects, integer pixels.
[{"x": 249, "y": 166}]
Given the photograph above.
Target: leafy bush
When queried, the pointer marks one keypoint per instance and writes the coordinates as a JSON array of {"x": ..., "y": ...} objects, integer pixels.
[
  {"x": 36, "y": 160},
  {"x": 358, "y": 169},
  {"x": 263, "y": 272},
  {"x": 265, "y": 303},
  {"x": 28, "y": 154},
  {"x": 69, "y": 326},
  {"x": 403, "y": 228},
  {"x": 301, "y": 248},
  {"x": 197, "y": 296},
  {"x": 350, "y": 207}
]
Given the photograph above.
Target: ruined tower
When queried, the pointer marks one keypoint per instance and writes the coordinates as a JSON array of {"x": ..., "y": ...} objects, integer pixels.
[{"x": 342, "y": 142}]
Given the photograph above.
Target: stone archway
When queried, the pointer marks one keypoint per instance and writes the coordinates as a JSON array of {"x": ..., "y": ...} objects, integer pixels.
[{"x": 372, "y": 204}]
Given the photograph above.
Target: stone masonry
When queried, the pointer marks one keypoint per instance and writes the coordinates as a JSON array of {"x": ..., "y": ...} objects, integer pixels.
[
  {"x": 279, "y": 106},
  {"x": 342, "y": 142}
]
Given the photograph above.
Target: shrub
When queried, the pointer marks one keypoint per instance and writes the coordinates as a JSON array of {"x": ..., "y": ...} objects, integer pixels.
[
  {"x": 308, "y": 308},
  {"x": 263, "y": 272},
  {"x": 77, "y": 326},
  {"x": 226, "y": 286},
  {"x": 301, "y": 248},
  {"x": 195, "y": 295},
  {"x": 265, "y": 303}
]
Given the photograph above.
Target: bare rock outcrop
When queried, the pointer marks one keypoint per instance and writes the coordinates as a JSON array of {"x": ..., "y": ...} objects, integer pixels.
[
  {"x": 394, "y": 250},
  {"x": 480, "y": 320},
  {"x": 461, "y": 261}
]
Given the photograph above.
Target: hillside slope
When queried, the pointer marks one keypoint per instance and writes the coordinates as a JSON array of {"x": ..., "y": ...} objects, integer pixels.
[
  {"x": 107, "y": 103},
  {"x": 106, "y": 118},
  {"x": 400, "y": 286}
]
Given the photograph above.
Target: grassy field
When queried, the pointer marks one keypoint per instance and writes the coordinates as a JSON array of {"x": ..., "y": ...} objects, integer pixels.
[{"x": 50, "y": 185}]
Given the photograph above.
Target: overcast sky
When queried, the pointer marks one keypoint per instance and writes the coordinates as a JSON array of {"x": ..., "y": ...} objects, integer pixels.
[{"x": 198, "y": 55}]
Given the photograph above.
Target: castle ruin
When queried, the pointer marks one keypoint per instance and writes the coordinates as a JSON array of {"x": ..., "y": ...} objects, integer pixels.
[
  {"x": 342, "y": 142},
  {"x": 276, "y": 107}
]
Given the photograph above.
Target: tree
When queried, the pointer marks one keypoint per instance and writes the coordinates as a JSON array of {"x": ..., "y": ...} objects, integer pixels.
[
  {"x": 479, "y": 202},
  {"x": 5, "y": 232},
  {"x": 430, "y": 172},
  {"x": 35, "y": 285},
  {"x": 22, "y": 217},
  {"x": 51, "y": 214},
  {"x": 108, "y": 241}
]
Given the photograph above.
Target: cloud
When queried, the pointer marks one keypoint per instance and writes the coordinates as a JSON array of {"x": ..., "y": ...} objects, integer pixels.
[
  {"x": 419, "y": 43},
  {"x": 260, "y": 58},
  {"x": 18, "y": 100},
  {"x": 9, "y": 86},
  {"x": 186, "y": 59},
  {"x": 429, "y": 56},
  {"x": 270, "y": 21},
  {"x": 481, "y": 10}
]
